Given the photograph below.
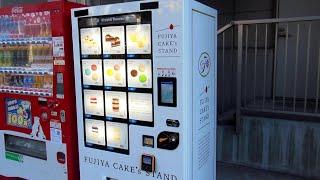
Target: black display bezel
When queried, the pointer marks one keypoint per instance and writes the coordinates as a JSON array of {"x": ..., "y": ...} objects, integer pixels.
[
  {"x": 172, "y": 80},
  {"x": 98, "y": 21}
]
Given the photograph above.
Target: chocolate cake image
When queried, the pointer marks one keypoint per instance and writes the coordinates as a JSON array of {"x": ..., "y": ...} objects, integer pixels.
[
  {"x": 109, "y": 37},
  {"x": 115, "y": 41}
]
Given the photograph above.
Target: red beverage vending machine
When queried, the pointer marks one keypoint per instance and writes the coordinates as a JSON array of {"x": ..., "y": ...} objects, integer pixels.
[{"x": 38, "y": 130}]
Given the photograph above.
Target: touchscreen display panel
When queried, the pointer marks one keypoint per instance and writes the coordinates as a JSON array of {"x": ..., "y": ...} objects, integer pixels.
[
  {"x": 115, "y": 72},
  {"x": 95, "y": 132},
  {"x": 113, "y": 40},
  {"x": 139, "y": 73},
  {"x": 93, "y": 102},
  {"x": 140, "y": 107},
  {"x": 139, "y": 39},
  {"x": 92, "y": 72},
  {"x": 117, "y": 135},
  {"x": 90, "y": 41},
  {"x": 116, "y": 104},
  {"x": 167, "y": 92}
]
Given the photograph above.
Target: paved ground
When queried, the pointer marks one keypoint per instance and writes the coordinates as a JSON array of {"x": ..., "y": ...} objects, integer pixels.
[{"x": 232, "y": 172}]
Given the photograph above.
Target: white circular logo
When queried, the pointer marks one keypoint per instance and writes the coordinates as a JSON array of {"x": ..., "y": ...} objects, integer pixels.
[{"x": 204, "y": 64}]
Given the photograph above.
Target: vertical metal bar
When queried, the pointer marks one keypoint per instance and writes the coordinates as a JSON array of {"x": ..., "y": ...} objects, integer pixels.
[
  {"x": 223, "y": 85},
  {"x": 265, "y": 66},
  {"x": 275, "y": 68},
  {"x": 239, "y": 74},
  {"x": 246, "y": 66},
  {"x": 285, "y": 69},
  {"x": 318, "y": 81},
  {"x": 255, "y": 66},
  {"x": 296, "y": 69},
  {"x": 233, "y": 72},
  {"x": 307, "y": 70}
]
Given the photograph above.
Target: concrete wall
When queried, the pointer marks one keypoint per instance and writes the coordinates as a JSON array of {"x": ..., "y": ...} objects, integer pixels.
[
  {"x": 296, "y": 8},
  {"x": 273, "y": 144}
]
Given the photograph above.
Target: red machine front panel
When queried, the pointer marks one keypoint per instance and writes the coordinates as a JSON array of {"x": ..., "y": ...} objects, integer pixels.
[{"x": 36, "y": 77}]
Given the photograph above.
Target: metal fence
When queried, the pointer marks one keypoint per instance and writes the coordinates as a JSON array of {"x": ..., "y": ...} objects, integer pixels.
[{"x": 269, "y": 66}]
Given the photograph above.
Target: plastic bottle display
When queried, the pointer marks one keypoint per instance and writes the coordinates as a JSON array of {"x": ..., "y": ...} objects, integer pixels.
[{"x": 26, "y": 52}]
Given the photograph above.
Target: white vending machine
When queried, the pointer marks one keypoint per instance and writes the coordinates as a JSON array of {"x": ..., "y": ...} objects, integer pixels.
[{"x": 146, "y": 82}]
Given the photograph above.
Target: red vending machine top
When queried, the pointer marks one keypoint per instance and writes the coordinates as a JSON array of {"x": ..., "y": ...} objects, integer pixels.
[{"x": 38, "y": 138}]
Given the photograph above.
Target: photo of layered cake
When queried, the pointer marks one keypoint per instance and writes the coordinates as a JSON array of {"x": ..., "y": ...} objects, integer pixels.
[
  {"x": 95, "y": 129},
  {"x": 93, "y": 102},
  {"x": 113, "y": 42},
  {"x": 116, "y": 104}
]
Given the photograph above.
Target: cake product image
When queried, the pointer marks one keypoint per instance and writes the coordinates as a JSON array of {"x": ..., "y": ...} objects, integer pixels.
[
  {"x": 117, "y": 135},
  {"x": 92, "y": 72},
  {"x": 139, "y": 39},
  {"x": 95, "y": 132},
  {"x": 93, "y": 102},
  {"x": 108, "y": 37},
  {"x": 134, "y": 73},
  {"x": 115, "y": 73},
  {"x": 116, "y": 104},
  {"x": 113, "y": 40},
  {"x": 140, "y": 106},
  {"x": 139, "y": 73},
  {"x": 90, "y": 41}
]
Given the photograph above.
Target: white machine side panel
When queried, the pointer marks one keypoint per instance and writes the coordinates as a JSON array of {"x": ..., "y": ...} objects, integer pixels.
[{"x": 204, "y": 99}]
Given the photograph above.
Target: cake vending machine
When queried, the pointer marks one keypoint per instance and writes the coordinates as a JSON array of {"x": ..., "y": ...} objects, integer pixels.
[
  {"x": 38, "y": 137},
  {"x": 146, "y": 90}
]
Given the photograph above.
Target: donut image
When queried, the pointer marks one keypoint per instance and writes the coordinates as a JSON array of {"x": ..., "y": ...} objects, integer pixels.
[
  {"x": 94, "y": 67},
  {"x": 118, "y": 77},
  {"x": 116, "y": 67},
  {"x": 143, "y": 78},
  {"x": 110, "y": 72},
  {"x": 134, "y": 73},
  {"x": 87, "y": 72}
]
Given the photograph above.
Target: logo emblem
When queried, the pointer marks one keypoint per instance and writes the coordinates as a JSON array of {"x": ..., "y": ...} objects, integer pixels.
[
  {"x": 204, "y": 64},
  {"x": 17, "y": 10}
]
